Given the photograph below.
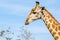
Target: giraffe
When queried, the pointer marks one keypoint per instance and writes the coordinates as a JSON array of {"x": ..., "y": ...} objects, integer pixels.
[{"x": 42, "y": 13}]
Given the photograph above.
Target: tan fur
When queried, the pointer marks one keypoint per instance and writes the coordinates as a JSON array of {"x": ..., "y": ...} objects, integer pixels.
[
  {"x": 55, "y": 26},
  {"x": 52, "y": 24}
]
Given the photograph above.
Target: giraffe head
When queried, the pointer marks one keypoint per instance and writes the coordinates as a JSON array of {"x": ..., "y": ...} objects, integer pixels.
[{"x": 35, "y": 14}]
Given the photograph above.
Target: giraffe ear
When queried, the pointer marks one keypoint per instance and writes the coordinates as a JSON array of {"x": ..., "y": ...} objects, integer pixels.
[{"x": 43, "y": 8}]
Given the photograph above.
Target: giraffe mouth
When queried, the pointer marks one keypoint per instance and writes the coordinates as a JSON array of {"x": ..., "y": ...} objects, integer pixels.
[{"x": 26, "y": 23}]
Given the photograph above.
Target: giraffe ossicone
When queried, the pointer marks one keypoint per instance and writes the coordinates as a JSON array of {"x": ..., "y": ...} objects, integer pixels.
[{"x": 42, "y": 13}]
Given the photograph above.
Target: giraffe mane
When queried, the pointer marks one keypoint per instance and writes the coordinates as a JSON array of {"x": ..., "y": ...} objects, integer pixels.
[{"x": 51, "y": 15}]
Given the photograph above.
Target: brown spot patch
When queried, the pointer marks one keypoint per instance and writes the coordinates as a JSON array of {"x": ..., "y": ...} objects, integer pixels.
[
  {"x": 48, "y": 16},
  {"x": 36, "y": 15},
  {"x": 53, "y": 26},
  {"x": 56, "y": 29},
  {"x": 56, "y": 38},
  {"x": 33, "y": 10},
  {"x": 50, "y": 30},
  {"x": 55, "y": 23},
  {"x": 50, "y": 20},
  {"x": 53, "y": 33},
  {"x": 48, "y": 26},
  {"x": 46, "y": 21},
  {"x": 59, "y": 33},
  {"x": 59, "y": 28}
]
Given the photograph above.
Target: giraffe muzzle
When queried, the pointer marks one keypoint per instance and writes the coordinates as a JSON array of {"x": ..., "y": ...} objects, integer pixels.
[{"x": 26, "y": 23}]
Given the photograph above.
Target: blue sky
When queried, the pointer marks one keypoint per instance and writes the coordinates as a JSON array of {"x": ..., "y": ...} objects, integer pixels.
[{"x": 13, "y": 13}]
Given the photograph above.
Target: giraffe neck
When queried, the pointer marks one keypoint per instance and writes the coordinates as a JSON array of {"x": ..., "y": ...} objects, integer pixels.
[{"x": 51, "y": 24}]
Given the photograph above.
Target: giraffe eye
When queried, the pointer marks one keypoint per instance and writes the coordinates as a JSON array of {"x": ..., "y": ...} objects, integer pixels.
[{"x": 34, "y": 12}]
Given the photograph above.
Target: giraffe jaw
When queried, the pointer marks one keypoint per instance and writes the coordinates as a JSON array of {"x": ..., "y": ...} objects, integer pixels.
[{"x": 26, "y": 23}]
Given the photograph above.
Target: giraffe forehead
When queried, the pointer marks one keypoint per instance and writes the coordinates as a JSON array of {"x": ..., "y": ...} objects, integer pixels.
[
  {"x": 38, "y": 10},
  {"x": 34, "y": 9}
]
